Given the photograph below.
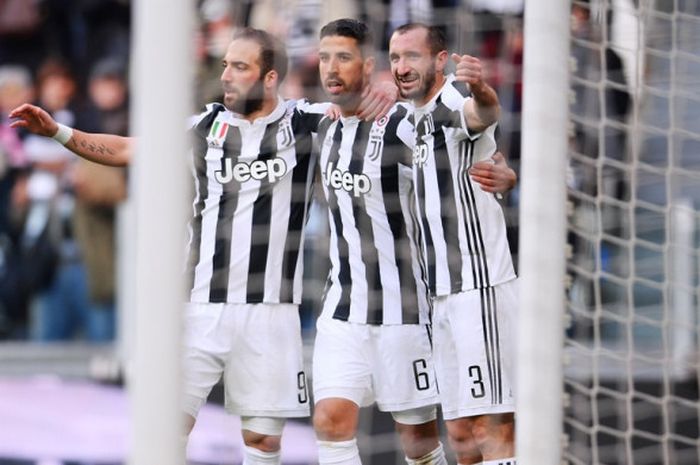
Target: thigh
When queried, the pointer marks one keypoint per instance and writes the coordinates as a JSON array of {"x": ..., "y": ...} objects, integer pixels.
[
  {"x": 341, "y": 362},
  {"x": 264, "y": 374},
  {"x": 473, "y": 347},
  {"x": 403, "y": 370},
  {"x": 207, "y": 343}
]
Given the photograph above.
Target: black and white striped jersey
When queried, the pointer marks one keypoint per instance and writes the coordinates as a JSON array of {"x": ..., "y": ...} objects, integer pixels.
[
  {"x": 463, "y": 226},
  {"x": 252, "y": 187},
  {"x": 376, "y": 276}
]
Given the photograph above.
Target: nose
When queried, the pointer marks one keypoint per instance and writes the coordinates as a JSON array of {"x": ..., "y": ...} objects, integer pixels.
[
  {"x": 225, "y": 75},
  {"x": 401, "y": 67}
]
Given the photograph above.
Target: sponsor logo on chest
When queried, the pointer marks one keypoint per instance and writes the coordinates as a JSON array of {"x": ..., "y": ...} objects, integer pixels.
[{"x": 356, "y": 184}]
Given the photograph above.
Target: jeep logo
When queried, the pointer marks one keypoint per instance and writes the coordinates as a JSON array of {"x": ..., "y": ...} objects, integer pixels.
[
  {"x": 357, "y": 184},
  {"x": 258, "y": 169},
  {"x": 420, "y": 154}
]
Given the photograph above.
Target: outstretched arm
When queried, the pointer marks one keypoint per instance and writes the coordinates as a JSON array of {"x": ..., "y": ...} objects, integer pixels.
[
  {"x": 483, "y": 109},
  {"x": 105, "y": 149},
  {"x": 494, "y": 175}
]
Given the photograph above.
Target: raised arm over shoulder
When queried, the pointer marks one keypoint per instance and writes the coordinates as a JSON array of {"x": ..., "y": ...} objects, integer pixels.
[
  {"x": 106, "y": 149},
  {"x": 483, "y": 109}
]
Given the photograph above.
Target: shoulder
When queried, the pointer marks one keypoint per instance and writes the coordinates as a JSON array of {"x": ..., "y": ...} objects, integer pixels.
[
  {"x": 454, "y": 94},
  {"x": 306, "y": 116},
  {"x": 207, "y": 116}
]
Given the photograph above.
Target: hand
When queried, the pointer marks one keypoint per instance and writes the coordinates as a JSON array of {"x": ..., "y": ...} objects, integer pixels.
[
  {"x": 468, "y": 69},
  {"x": 34, "y": 119},
  {"x": 333, "y": 112},
  {"x": 494, "y": 175},
  {"x": 377, "y": 100}
]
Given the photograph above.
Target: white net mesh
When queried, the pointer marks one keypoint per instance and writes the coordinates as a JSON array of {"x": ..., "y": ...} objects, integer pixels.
[{"x": 634, "y": 192}]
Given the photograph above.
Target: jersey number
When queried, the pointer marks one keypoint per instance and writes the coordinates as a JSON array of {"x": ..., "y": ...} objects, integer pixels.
[
  {"x": 478, "y": 390},
  {"x": 303, "y": 397},
  {"x": 421, "y": 377}
]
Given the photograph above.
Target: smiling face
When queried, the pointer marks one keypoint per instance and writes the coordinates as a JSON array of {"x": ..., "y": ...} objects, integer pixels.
[
  {"x": 241, "y": 78},
  {"x": 343, "y": 70},
  {"x": 417, "y": 71}
]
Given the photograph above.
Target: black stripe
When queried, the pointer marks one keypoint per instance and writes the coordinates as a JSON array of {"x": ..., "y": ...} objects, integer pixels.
[
  {"x": 342, "y": 311},
  {"x": 420, "y": 247},
  {"x": 419, "y": 180},
  {"x": 497, "y": 343},
  {"x": 363, "y": 224},
  {"x": 198, "y": 136},
  {"x": 394, "y": 154},
  {"x": 465, "y": 162},
  {"x": 485, "y": 323},
  {"x": 262, "y": 215},
  {"x": 474, "y": 224},
  {"x": 228, "y": 202},
  {"x": 442, "y": 117},
  {"x": 496, "y": 379},
  {"x": 299, "y": 209}
]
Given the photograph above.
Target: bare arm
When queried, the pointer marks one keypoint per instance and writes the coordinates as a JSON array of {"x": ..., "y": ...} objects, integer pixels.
[
  {"x": 105, "y": 149},
  {"x": 483, "y": 109}
]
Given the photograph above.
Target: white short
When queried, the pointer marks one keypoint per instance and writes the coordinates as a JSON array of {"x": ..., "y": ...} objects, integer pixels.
[
  {"x": 388, "y": 364},
  {"x": 257, "y": 348},
  {"x": 473, "y": 337}
]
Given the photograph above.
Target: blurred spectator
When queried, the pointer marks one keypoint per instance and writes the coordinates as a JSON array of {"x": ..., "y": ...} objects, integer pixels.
[
  {"x": 216, "y": 30},
  {"x": 98, "y": 190},
  {"x": 15, "y": 88},
  {"x": 62, "y": 308}
]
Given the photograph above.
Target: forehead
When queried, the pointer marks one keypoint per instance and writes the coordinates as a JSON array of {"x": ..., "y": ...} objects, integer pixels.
[
  {"x": 414, "y": 39},
  {"x": 339, "y": 44},
  {"x": 243, "y": 50}
]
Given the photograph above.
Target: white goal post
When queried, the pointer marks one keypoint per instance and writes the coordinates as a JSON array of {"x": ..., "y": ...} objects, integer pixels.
[{"x": 542, "y": 233}]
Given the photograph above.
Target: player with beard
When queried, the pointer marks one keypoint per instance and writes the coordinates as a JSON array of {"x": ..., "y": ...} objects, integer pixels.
[
  {"x": 252, "y": 174},
  {"x": 470, "y": 271},
  {"x": 373, "y": 337}
]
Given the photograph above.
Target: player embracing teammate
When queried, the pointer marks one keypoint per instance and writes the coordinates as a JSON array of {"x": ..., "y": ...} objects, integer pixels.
[{"x": 409, "y": 230}]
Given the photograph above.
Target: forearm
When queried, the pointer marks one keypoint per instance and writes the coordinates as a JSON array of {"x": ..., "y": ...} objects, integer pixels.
[
  {"x": 483, "y": 109},
  {"x": 105, "y": 149}
]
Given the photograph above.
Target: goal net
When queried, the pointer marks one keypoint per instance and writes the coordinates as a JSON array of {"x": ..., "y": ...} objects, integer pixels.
[{"x": 631, "y": 348}]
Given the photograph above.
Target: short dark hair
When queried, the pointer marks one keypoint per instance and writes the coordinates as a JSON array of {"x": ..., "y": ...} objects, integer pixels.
[
  {"x": 347, "y": 27},
  {"x": 437, "y": 41},
  {"x": 273, "y": 54}
]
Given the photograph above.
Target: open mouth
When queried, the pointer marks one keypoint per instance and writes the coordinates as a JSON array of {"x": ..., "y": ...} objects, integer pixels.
[{"x": 334, "y": 86}]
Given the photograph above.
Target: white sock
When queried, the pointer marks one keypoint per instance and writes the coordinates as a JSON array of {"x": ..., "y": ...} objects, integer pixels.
[
  {"x": 253, "y": 456},
  {"x": 338, "y": 452},
  {"x": 434, "y": 457},
  {"x": 504, "y": 461}
]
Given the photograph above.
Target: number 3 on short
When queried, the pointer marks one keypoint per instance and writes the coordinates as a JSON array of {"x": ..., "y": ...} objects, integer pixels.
[
  {"x": 474, "y": 373},
  {"x": 420, "y": 375}
]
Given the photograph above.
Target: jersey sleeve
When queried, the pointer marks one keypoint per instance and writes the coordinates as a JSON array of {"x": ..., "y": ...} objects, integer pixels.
[
  {"x": 455, "y": 96},
  {"x": 307, "y": 116}
]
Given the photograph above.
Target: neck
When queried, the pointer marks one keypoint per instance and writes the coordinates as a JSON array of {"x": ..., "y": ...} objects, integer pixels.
[
  {"x": 268, "y": 106},
  {"x": 351, "y": 107}
]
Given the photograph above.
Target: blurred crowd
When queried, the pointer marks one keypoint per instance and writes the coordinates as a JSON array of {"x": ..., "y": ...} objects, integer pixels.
[{"x": 71, "y": 57}]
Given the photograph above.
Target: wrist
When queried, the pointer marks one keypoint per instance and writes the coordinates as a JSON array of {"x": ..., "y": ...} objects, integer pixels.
[{"x": 63, "y": 134}]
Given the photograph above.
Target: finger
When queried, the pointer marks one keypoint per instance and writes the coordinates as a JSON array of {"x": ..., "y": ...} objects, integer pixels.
[
  {"x": 370, "y": 112},
  {"x": 365, "y": 91},
  {"x": 384, "y": 109},
  {"x": 19, "y": 110},
  {"x": 456, "y": 58},
  {"x": 19, "y": 124},
  {"x": 498, "y": 157}
]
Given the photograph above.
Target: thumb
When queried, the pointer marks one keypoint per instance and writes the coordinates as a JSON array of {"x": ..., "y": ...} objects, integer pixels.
[
  {"x": 456, "y": 58},
  {"x": 498, "y": 157}
]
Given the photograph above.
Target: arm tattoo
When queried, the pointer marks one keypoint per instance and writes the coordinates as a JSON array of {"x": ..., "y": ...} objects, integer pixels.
[{"x": 91, "y": 148}]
